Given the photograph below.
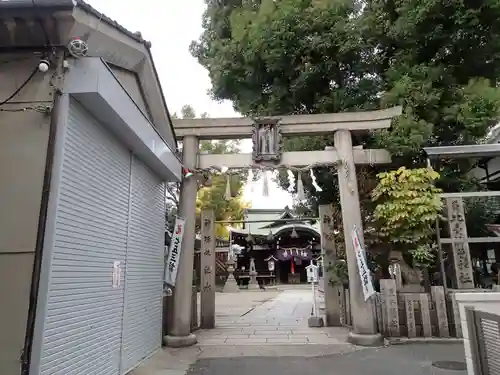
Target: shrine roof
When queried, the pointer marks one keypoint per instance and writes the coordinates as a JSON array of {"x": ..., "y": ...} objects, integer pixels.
[
  {"x": 273, "y": 220},
  {"x": 263, "y": 232}
]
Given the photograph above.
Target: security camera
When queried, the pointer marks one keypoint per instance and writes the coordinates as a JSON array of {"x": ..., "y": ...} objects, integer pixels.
[{"x": 44, "y": 65}]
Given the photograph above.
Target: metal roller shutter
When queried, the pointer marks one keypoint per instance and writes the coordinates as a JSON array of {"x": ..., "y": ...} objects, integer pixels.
[
  {"x": 83, "y": 317},
  {"x": 144, "y": 268}
]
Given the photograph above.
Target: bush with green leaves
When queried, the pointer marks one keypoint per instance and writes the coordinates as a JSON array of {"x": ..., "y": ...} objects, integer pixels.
[{"x": 408, "y": 204}]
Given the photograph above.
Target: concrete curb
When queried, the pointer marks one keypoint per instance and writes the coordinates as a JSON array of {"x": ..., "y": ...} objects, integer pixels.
[{"x": 422, "y": 340}]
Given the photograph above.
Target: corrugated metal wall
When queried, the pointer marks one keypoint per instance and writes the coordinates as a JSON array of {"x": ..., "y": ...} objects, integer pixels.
[
  {"x": 82, "y": 331},
  {"x": 109, "y": 226},
  {"x": 144, "y": 270}
]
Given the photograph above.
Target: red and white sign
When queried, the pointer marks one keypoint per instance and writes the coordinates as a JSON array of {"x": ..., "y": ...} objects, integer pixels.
[
  {"x": 174, "y": 252},
  {"x": 364, "y": 271}
]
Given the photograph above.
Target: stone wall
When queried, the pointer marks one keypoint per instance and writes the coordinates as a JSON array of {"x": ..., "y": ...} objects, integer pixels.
[{"x": 413, "y": 314}]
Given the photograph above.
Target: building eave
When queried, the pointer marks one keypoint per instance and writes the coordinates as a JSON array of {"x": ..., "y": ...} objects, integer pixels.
[
  {"x": 463, "y": 151},
  {"x": 93, "y": 84},
  {"x": 24, "y": 24}
]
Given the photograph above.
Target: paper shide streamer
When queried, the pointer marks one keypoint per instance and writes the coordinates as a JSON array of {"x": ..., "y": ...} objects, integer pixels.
[
  {"x": 301, "y": 195},
  {"x": 250, "y": 180},
  {"x": 294, "y": 183},
  {"x": 265, "y": 184},
  {"x": 314, "y": 182},
  {"x": 291, "y": 181},
  {"x": 227, "y": 194}
]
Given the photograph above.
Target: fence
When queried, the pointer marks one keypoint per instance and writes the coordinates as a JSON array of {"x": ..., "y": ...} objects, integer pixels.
[
  {"x": 412, "y": 314},
  {"x": 484, "y": 338}
]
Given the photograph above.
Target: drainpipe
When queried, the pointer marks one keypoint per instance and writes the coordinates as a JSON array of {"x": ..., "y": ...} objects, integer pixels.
[
  {"x": 442, "y": 268},
  {"x": 42, "y": 219}
]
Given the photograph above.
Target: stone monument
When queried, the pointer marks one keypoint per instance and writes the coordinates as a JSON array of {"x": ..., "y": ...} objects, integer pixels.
[
  {"x": 253, "y": 283},
  {"x": 231, "y": 286}
]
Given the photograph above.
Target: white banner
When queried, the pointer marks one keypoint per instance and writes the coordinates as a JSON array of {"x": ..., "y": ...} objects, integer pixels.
[
  {"x": 364, "y": 271},
  {"x": 174, "y": 252}
]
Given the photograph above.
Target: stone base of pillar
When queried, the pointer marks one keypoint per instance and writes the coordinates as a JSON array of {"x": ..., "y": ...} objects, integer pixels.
[
  {"x": 361, "y": 339},
  {"x": 180, "y": 341},
  {"x": 253, "y": 283},
  {"x": 315, "y": 322},
  {"x": 231, "y": 286}
]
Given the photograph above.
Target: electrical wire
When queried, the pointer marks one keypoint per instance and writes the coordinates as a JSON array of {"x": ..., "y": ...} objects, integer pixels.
[
  {"x": 39, "y": 108},
  {"x": 20, "y": 87},
  {"x": 47, "y": 42}
]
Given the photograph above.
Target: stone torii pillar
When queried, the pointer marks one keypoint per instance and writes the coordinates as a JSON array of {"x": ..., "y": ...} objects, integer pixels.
[
  {"x": 365, "y": 330},
  {"x": 180, "y": 334}
]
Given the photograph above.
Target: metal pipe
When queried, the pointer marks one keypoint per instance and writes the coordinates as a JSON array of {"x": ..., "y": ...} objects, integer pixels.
[
  {"x": 442, "y": 268},
  {"x": 42, "y": 219},
  {"x": 440, "y": 258},
  {"x": 265, "y": 221}
]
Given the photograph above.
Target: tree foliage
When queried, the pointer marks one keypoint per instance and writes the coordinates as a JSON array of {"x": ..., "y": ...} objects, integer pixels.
[
  {"x": 408, "y": 205},
  {"x": 437, "y": 59},
  {"x": 212, "y": 195}
]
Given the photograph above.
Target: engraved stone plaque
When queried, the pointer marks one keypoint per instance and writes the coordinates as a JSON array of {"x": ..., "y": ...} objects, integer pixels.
[
  {"x": 426, "y": 314},
  {"x": 460, "y": 246},
  {"x": 410, "y": 315},
  {"x": 267, "y": 140},
  {"x": 207, "y": 269},
  {"x": 390, "y": 300}
]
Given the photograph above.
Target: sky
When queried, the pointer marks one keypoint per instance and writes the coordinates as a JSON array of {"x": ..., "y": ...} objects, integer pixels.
[{"x": 171, "y": 26}]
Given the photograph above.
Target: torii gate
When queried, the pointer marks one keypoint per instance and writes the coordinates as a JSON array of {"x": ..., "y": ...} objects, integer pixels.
[{"x": 191, "y": 131}]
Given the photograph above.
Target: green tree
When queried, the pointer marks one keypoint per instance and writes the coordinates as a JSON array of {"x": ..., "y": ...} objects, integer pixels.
[
  {"x": 288, "y": 57},
  {"x": 439, "y": 60},
  {"x": 408, "y": 205},
  {"x": 212, "y": 195}
]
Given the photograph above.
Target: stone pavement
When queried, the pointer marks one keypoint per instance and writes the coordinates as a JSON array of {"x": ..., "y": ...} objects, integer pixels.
[
  {"x": 270, "y": 323},
  {"x": 266, "y": 332},
  {"x": 268, "y": 318}
]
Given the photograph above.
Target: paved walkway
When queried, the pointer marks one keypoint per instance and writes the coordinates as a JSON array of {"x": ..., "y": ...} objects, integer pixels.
[
  {"x": 271, "y": 323},
  {"x": 266, "y": 333},
  {"x": 267, "y": 318}
]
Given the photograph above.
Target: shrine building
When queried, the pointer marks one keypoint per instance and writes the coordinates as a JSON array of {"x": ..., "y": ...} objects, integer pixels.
[{"x": 281, "y": 244}]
